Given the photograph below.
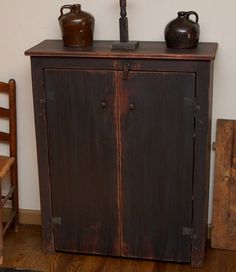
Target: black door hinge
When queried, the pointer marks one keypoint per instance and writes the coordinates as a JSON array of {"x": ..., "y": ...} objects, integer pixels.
[
  {"x": 50, "y": 96},
  {"x": 189, "y": 232},
  {"x": 42, "y": 101},
  {"x": 56, "y": 220},
  {"x": 126, "y": 70},
  {"x": 197, "y": 108},
  {"x": 189, "y": 101}
]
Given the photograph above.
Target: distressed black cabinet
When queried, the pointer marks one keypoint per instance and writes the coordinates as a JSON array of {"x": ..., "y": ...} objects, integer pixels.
[{"x": 123, "y": 141}]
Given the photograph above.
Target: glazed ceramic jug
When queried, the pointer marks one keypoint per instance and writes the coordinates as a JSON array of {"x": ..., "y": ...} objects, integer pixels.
[
  {"x": 182, "y": 32},
  {"x": 76, "y": 25}
]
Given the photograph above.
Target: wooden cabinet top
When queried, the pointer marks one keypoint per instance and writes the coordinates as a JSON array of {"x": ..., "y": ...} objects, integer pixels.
[{"x": 101, "y": 49}]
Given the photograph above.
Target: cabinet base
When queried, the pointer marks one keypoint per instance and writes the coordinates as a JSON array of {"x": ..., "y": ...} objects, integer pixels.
[{"x": 124, "y": 45}]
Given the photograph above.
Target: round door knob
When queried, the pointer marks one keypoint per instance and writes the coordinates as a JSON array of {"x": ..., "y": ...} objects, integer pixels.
[
  {"x": 103, "y": 104},
  {"x": 131, "y": 106}
]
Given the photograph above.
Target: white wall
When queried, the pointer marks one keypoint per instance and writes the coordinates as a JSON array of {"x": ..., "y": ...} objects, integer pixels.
[{"x": 26, "y": 23}]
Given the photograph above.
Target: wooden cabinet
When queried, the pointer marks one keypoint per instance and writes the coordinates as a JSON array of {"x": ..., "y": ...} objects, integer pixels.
[
  {"x": 82, "y": 150},
  {"x": 123, "y": 141},
  {"x": 157, "y": 164}
]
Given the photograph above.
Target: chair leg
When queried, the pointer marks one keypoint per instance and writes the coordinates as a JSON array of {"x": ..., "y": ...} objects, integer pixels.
[
  {"x": 1, "y": 227},
  {"x": 15, "y": 205}
]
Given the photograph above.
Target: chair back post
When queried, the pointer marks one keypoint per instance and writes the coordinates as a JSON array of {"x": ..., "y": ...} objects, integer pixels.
[
  {"x": 8, "y": 164},
  {"x": 13, "y": 143},
  {"x": 12, "y": 119}
]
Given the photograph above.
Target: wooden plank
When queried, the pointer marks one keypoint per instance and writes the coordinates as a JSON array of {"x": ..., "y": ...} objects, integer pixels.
[
  {"x": 204, "y": 72},
  {"x": 88, "y": 172},
  {"x": 146, "y": 50},
  {"x": 157, "y": 164},
  {"x": 4, "y": 87},
  {"x": 27, "y": 243},
  {"x": 224, "y": 201},
  {"x": 4, "y": 112},
  {"x": 4, "y": 137}
]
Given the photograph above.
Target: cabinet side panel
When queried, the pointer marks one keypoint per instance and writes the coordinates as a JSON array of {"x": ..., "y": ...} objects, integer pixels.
[
  {"x": 42, "y": 153},
  {"x": 80, "y": 107},
  {"x": 157, "y": 127},
  {"x": 204, "y": 81}
]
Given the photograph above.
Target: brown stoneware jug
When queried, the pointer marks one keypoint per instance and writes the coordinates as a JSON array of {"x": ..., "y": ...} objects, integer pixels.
[
  {"x": 182, "y": 32},
  {"x": 76, "y": 26}
]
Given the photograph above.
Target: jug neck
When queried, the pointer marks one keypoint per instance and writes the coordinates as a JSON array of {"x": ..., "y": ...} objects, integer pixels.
[
  {"x": 76, "y": 8},
  {"x": 182, "y": 14}
]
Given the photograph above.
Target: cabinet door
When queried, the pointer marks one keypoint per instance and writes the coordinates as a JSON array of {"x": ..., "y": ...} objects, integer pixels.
[
  {"x": 80, "y": 109},
  {"x": 157, "y": 145}
]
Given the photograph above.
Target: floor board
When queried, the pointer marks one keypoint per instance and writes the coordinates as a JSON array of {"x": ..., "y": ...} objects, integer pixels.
[{"x": 24, "y": 250}]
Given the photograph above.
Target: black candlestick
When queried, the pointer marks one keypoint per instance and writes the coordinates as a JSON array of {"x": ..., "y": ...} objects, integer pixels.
[{"x": 124, "y": 32}]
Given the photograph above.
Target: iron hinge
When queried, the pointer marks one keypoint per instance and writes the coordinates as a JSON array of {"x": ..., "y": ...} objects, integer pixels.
[
  {"x": 56, "y": 220},
  {"x": 189, "y": 101},
  {"x": 189, "y": 232},
  {"x": 197, "y": 108},
  {"x": 42, "y": 101},
  {"x": 126, "y": 70},
  {"x": 50, "y": 96},
  {"x": 192, "y": 102}
]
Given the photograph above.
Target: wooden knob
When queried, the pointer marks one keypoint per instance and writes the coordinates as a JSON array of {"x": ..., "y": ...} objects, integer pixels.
[
  {"x": 103, "y": 104},
  {"x": 131, "y": 106}
]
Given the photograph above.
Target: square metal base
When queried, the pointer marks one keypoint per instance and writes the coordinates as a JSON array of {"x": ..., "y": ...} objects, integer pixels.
[{"x": 124, "y": 45}]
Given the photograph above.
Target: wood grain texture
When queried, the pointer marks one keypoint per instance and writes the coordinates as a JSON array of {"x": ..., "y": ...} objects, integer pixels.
[
  {"x": 157, "y": 164},
  {"x": 224, "y": 202},
  {"x": 24, "y": 250},
  {"x": 42, "y": 154},
  {"x": 4, "y": 87},
  {"x": 145, "y": 50},
  {"x": 202, "y": 159},
  {"x": 8, "y": 164},
  {"x": 151, "y": 58},
  {"x": 5, "y": 165},
  {"x": 4, "y": 136},
  {"x": 4, "y": 112},
  {"x": 80, "y": 108}
]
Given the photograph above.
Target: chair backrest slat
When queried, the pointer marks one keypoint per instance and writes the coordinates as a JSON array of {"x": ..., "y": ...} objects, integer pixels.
[
  {"x": 4, "y": 112},
  {"x": 4, "y": 137},
  {"x": 10, "y": 113},
  {"x": 4, "y": 87}
]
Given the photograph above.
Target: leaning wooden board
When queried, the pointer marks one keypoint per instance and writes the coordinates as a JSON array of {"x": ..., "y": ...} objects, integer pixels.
[{"x": 224, "y": 200}]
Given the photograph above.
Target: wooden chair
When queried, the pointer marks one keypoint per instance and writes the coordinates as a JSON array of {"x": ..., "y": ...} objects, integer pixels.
[{"x": 8, "y": 164}]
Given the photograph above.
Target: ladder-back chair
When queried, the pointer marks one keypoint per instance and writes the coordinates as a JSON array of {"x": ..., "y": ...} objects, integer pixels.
[{"x": 8, "y": 164}]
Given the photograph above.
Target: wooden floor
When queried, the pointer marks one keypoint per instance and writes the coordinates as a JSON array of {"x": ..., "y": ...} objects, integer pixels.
[{"x": 24, "y": 250}]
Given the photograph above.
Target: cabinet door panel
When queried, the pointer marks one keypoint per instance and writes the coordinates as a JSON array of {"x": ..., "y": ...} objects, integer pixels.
[
  {"x": 157, "y": 127},
  {"x": 80, "y": 108}
]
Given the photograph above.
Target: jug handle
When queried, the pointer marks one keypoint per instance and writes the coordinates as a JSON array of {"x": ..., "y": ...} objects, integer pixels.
[
  {"x": 193, "y": 13},
  {"x": 65, "y": 7}
]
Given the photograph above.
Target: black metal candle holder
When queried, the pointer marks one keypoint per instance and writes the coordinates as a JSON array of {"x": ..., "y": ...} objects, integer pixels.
[{"x": 124, "y": 42}]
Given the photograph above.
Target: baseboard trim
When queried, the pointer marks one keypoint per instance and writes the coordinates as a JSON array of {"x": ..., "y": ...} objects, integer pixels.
[
  {"x": 209, "y": 228},
  {"x": 27, "y": 217}
]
